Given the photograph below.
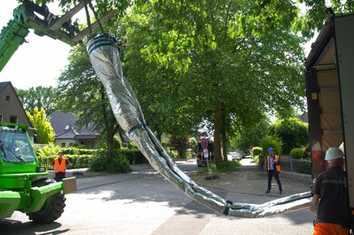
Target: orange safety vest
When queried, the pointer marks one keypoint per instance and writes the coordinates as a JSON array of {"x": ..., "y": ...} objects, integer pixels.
[
  {"x": 277, "y": 166},
  {"x": 329, "y": 229},
  {"x": 60, "y": 166}
]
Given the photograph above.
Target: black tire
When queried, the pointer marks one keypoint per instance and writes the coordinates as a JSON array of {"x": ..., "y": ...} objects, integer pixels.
[{"x": 51, "y": 210}]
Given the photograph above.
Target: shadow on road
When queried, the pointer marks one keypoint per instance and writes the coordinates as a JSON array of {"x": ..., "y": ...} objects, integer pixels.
[
  {"x": 152, "y": 189},
  {"x": 16, "y": 227},
  {"x": 299, "y": 216},
  {"x": 146, "y": 186}
]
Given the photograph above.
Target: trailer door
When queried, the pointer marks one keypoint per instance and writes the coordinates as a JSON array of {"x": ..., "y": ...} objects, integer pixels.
[{"x": 344, "y": 36}]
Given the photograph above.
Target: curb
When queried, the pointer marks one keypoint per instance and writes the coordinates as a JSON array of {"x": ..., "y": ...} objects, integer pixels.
[{"x": 78, "y": 173}]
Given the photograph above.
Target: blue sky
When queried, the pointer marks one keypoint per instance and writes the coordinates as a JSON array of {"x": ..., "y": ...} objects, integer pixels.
[{"x": 40, "y": 61}]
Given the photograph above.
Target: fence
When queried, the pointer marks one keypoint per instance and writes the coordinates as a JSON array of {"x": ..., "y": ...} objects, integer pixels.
[{"x": 296, "y": 165}]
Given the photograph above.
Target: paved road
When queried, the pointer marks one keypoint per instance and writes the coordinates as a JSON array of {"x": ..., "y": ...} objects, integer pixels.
[{"x": 142, "y": 203}]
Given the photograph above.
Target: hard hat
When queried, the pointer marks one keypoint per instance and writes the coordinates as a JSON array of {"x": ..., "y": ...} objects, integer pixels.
[
  {"x": 333, "y": 153},
  {"x": 270, "y": 149}
]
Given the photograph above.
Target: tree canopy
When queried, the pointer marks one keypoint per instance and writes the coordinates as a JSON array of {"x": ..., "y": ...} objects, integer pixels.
[
  {"x": 38, "y": 97},
  {"x": 226, "y": 61}
]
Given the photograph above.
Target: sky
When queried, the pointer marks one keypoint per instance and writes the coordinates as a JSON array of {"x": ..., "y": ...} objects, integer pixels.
[
  {"x": 40, "y": 61},
  {"x": 36, "y": 63}
]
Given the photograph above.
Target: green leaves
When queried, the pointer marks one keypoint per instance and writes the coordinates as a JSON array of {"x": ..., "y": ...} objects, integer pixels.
[
  {"x": 39, "y": 97},
  {"x": 44, "y": 131},
  {"x": 184, "y": 58},
  {"x": 317, "y": 13}
]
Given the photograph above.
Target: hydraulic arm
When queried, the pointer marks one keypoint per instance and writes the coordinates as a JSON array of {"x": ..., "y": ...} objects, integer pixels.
[
  {"x": 11, "y": 37},
  {"x": 43, "y": 22}
]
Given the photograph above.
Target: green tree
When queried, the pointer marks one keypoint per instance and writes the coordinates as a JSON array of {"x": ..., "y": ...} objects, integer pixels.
[
  {"x": 44, "y": 131},
  {"x": 225, "y": 61},
  {"x": 292, "y": 132},
  {"x": 38, "y": 97},
  {"x": 249, "y": 136},
  {"x": 81, "y": 92},
  {"x": 317, "y": 12}
]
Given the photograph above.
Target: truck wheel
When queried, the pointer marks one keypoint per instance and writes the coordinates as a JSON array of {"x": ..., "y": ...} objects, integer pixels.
[{"x": 51, "y": 210}]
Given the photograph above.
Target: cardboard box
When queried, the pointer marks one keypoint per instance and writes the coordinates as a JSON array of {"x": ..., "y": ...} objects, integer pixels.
[{"x": 70, "y": 185}]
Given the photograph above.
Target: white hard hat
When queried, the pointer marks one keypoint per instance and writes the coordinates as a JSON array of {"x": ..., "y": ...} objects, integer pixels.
[{"x": 333, "y": 153}]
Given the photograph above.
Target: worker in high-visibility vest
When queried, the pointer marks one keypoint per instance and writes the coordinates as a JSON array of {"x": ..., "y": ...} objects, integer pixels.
[
  {"x": 60, "y": 165},
  {"x": 329, "y": 201},
  {"x": 272, "y": 166}
]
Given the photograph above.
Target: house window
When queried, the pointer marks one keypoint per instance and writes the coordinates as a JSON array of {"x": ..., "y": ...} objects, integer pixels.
[
  {"x": 0, "y": 117},
  {"x": 7, "y": 98},
  {"x": 62, "y": 144},
  {"x": 13, "y": 119}
]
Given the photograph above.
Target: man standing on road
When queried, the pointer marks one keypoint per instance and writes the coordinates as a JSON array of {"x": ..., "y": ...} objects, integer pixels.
[
  {"x": 272, "y": 166},
  {"x": 60, "y": 165},
  {"x": 329, "y": 200}
]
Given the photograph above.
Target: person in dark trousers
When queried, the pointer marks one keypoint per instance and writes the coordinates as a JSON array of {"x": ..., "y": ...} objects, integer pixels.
[
  {"x": 329, "y": 200},
  {"x": 60, "y": 165},
  {"x": 272, "y": 165}
]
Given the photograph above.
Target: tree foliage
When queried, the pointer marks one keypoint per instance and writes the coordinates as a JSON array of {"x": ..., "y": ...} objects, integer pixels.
[
  {"x": 226, "y": 61},
  {"x": 292, "y": 131},
  {"x": 38, "y": 97},
  {"x": 248, "y": 136},
  {"x": 317, "y": 12},
  {"x": 44, "y": 131}
]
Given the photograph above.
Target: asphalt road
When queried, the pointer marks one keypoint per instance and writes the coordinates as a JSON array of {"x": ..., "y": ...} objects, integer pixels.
[{"x": 142, "y": 203}]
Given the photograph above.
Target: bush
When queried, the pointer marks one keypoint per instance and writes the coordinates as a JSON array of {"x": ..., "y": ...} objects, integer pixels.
[
  {"x": 256, "y": 151},
  {"x": 271, "y": 141},
  {"x": 297, "y": 153},
  {"x": 292, "y": 131},
  {"x": 78, "y": 151},
  {"x": 227, "y": 166},
  {"x": 246, "y": 137},
  {"x": 110, "y": 165},
  {"x": 76, "y": 161},
  {"x": 48, "y": 150},
  {"x": 83, "y": 158},
  {"x": 134, "y": 156},
  {"x": 180, "y": 144},
  {"x": 268, "y": 141}
]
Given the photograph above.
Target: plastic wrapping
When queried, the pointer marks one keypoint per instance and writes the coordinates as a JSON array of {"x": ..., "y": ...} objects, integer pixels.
[{"x": 105, "y": 59}]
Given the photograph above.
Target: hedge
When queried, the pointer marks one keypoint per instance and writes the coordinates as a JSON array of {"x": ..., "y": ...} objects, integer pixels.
[
  {"x": 111, "y": 165},
  {"x": 297, "y": 153},
  {"x": 76, "y": 161},
  {"x": 78, "y": 151},
  {"x": 134, "y": 156},
  {"x": 85, "y": 160}
]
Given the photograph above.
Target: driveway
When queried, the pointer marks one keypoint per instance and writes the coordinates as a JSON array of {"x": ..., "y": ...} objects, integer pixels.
[{"x": 143, "y": 203}]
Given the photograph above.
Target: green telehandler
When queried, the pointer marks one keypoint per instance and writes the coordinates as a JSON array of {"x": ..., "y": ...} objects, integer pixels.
[{"x": 24, "y": 185}]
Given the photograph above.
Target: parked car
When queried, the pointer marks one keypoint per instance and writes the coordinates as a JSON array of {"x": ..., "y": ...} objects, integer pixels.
[{"x": 235, "y": 155}]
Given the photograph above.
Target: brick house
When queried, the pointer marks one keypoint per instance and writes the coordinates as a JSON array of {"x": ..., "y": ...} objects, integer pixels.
[{"x": 11, "y": 108}]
